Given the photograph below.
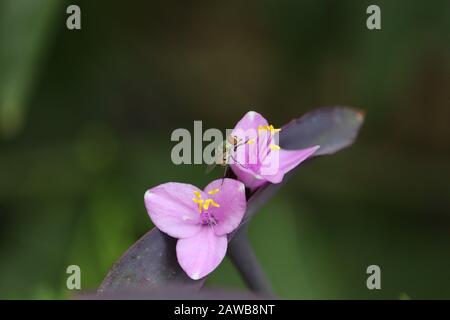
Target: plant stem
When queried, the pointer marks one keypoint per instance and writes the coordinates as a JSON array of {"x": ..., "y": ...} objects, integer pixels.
[{"x": 244, "y": 259}]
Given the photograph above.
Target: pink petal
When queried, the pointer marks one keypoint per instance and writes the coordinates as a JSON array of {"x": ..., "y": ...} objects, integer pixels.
[
  {"x": 172, "y": 210},
  {"x": 231, "y": 198},
  {"x": 288, "y": 160},
  {"x": 201, "y": 254},
  {"x": 248, "y": 155},
  {"x": 251, "y": 120},
  {"x": 251, "y": 179},
  {"x": 247, "y": 129}
]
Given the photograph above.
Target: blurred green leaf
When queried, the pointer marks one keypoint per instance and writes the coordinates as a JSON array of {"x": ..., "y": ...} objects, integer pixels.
[{"x": 24, "y": 29}]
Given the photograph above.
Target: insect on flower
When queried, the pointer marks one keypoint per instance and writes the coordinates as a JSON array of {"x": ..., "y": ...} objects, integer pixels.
[
  {"x": 226, "y": 151},
  {"x": 264, "y": 161}
]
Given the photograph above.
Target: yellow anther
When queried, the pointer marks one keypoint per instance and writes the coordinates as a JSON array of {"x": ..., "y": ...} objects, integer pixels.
[
  {"x": 199, "y": 202},
  {"x": 269, "y": 128},
  {"x": 209, "y": 202},
  {"x": 273, "y": 130},
  {"x": 204, "y": 204},
  {"x": 250, "y": 141},
  {"x": 215, "y": 204},
  {"x": 274, "y": 147},
  {"x": 197, "y": 194},
  {"x": 213, "y": 191}
]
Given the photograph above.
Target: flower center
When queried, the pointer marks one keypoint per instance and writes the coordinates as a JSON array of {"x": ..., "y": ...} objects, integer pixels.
[{"x": 207, "y": 217}]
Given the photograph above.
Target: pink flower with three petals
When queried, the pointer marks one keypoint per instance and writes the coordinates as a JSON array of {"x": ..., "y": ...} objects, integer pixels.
[
  {"x": 258, "y": 159},
  {"x": 199, "y": 219}
]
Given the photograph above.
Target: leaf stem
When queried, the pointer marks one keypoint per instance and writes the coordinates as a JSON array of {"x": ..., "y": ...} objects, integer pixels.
[{"x": 244, "y": 259}]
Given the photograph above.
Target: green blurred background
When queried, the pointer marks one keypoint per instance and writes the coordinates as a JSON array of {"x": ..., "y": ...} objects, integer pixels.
[{"x": 86, "y": 118}]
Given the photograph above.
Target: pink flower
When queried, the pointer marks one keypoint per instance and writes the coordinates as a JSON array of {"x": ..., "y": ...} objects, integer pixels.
[
  {"x": 258, "y": 158},
  {"x": 200, "y": 220}
]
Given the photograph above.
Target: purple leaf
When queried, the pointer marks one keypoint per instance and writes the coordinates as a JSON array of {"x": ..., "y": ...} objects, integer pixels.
[
  {"x": 150, "y": 263},
  {"x": 332, "y": 128}
]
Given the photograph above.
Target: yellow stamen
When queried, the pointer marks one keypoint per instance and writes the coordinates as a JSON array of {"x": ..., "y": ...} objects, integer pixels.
[
  {"x": 274, "y": 147},
  {"x": 261, "y": 128},
  {"x": 215, "y": 204},
  {"x": 251, "y": 141},
  {"x": 197, "y": 194},
  {"x": 199, "y": 202},
  {"x": 210, "y": 202},
  {"x": 273, "y": 130},
  {"x": 204, "y": 204},
  {"x": 269, "y": 128},
  {"x": 213, "y": 191}
]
